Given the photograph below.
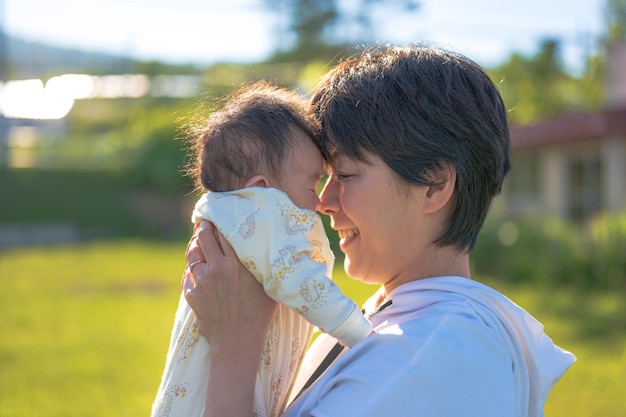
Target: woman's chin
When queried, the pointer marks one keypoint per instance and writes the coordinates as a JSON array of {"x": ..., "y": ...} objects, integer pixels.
[
  {"x": 347, "y": 267},
  {"x": 350, "y": 270}
]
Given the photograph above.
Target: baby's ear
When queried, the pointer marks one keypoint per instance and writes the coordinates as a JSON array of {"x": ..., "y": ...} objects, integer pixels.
[{"x": 257, "y": 181}]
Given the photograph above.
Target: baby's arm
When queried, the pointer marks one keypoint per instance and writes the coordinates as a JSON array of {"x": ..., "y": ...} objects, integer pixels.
[
  {"x": 299, "y": 269},
  {"x": 287, "y": 251},
  {"x": 306, "y": 288}
]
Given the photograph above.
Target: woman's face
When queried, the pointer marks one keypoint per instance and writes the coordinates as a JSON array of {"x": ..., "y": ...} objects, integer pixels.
[{"x": 378, "y": 220}]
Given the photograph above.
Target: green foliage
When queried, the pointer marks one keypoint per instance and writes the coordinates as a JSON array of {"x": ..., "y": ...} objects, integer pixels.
[
  {"x": 109, "y": 134},
  {"x": 615, "y": 15},
  {"x": 151, "y": 68},
  {"x": 160, "y": 162},
  {"x": 286, "y": 70},
  {"x": 318, "y": 27},
  {"x": 549, "y": 251},
  {"x": 92, "y": 201},
  {"x": 137, "y": 138},
  {"x": 538, "y": 87},
  {"x": 97, "y": 203},
  {"x": 85, "y": 331}
]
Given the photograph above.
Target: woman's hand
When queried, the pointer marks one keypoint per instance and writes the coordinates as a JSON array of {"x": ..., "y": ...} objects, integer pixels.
[
  {"x": 233, "y": 313},
  {"x": 224, "y": 295}
]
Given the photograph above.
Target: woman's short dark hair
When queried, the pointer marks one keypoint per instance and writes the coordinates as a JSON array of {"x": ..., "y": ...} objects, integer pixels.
[
  {"x": 418, "y": 107},
  {"x": 251, "y": 134}
]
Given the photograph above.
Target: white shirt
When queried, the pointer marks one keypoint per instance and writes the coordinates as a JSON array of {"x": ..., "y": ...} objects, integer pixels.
[{"x": 448, "y": 346}]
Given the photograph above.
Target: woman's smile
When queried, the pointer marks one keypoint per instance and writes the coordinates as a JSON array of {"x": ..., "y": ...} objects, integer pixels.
[{"x": 346, "y": 236}]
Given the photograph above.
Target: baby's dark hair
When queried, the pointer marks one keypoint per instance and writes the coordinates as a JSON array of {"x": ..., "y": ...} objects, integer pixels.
[{"x": 251, "y": 134}]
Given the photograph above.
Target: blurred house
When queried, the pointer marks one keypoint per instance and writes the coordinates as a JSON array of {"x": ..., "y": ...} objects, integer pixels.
[{"x": 573, "y": 166}]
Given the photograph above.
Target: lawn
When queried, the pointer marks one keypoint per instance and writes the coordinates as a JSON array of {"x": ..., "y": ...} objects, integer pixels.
[{"x": 85, "y": 331}]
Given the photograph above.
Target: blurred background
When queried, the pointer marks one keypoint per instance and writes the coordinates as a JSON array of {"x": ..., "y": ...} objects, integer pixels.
[{"x": 94, "y": 208}]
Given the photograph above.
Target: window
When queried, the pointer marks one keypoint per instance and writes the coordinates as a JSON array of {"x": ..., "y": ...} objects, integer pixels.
[
  {"x": 585, "y": 183},
  {"x": 523, "y": 184}
]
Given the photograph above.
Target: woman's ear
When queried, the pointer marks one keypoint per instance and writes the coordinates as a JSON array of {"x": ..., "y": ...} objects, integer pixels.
[
  {"x": 257, "y": 181},
  {"x": 440, "y": 192}
]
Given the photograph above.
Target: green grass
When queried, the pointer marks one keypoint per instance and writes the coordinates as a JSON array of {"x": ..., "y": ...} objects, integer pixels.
[{"x": 85, "y": 331}]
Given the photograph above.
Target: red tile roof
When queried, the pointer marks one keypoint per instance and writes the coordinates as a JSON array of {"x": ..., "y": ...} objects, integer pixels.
[{"x": 571, "y": 128}]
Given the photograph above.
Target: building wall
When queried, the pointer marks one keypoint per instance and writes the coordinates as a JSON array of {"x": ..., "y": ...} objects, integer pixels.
[
  {"x": 571, "y": 181},
  {"x": 554, "y": 190},
  {"x": 614, "y": 157}
]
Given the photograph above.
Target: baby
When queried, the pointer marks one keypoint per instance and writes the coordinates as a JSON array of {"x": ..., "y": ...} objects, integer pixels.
[{"x": 259, "y": 160}]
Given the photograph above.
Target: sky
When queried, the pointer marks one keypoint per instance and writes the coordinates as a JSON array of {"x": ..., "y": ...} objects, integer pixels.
[{"x": 208, "y": 31}]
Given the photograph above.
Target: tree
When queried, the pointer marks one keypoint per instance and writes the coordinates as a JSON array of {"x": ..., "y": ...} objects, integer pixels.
[
  {"x": 315, "y": 24},
  {"x": 615, "y": 15},
  {"x": 539, "y": 87}
]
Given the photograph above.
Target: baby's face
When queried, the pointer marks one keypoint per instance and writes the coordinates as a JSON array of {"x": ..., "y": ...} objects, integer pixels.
[{"x": 302, "y": 172}]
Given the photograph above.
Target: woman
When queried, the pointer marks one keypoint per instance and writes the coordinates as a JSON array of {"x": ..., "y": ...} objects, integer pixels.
[{"x": 419, "y": 146}]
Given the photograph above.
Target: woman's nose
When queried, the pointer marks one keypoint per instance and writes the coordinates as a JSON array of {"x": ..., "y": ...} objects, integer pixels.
[{"x": 329, "y": 203}]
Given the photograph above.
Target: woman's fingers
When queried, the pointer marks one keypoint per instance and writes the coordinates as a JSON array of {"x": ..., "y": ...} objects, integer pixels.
[
  {"x": 209, "y": 242},
  {"x": 188, "y": 282},
  {"x": 194, "y": 253},
  {"x": 194, "y": 256},
  {"x": 227, "y": 249}
]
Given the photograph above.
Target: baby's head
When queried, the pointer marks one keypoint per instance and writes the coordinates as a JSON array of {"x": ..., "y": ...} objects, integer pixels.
[{"x": 263, "y": 136}]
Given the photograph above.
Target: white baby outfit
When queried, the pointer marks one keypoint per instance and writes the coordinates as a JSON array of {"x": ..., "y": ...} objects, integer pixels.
[{"x": 287, "y": 251}]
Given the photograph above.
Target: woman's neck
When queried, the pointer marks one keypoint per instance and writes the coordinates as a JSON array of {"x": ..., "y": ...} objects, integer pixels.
[{"x": 437, "y": 263}]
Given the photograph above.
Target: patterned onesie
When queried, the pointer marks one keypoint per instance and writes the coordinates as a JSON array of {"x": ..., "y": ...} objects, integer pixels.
[{"x": 287, "y": 251}]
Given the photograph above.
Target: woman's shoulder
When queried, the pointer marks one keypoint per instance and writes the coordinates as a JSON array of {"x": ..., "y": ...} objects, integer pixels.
[
  {"x": 434, "y": 325},
  {"x": 426, "y": 363}
]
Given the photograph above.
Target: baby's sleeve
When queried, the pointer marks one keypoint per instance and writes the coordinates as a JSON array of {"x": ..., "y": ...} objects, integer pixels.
[{"x": 287, "y": 250}]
